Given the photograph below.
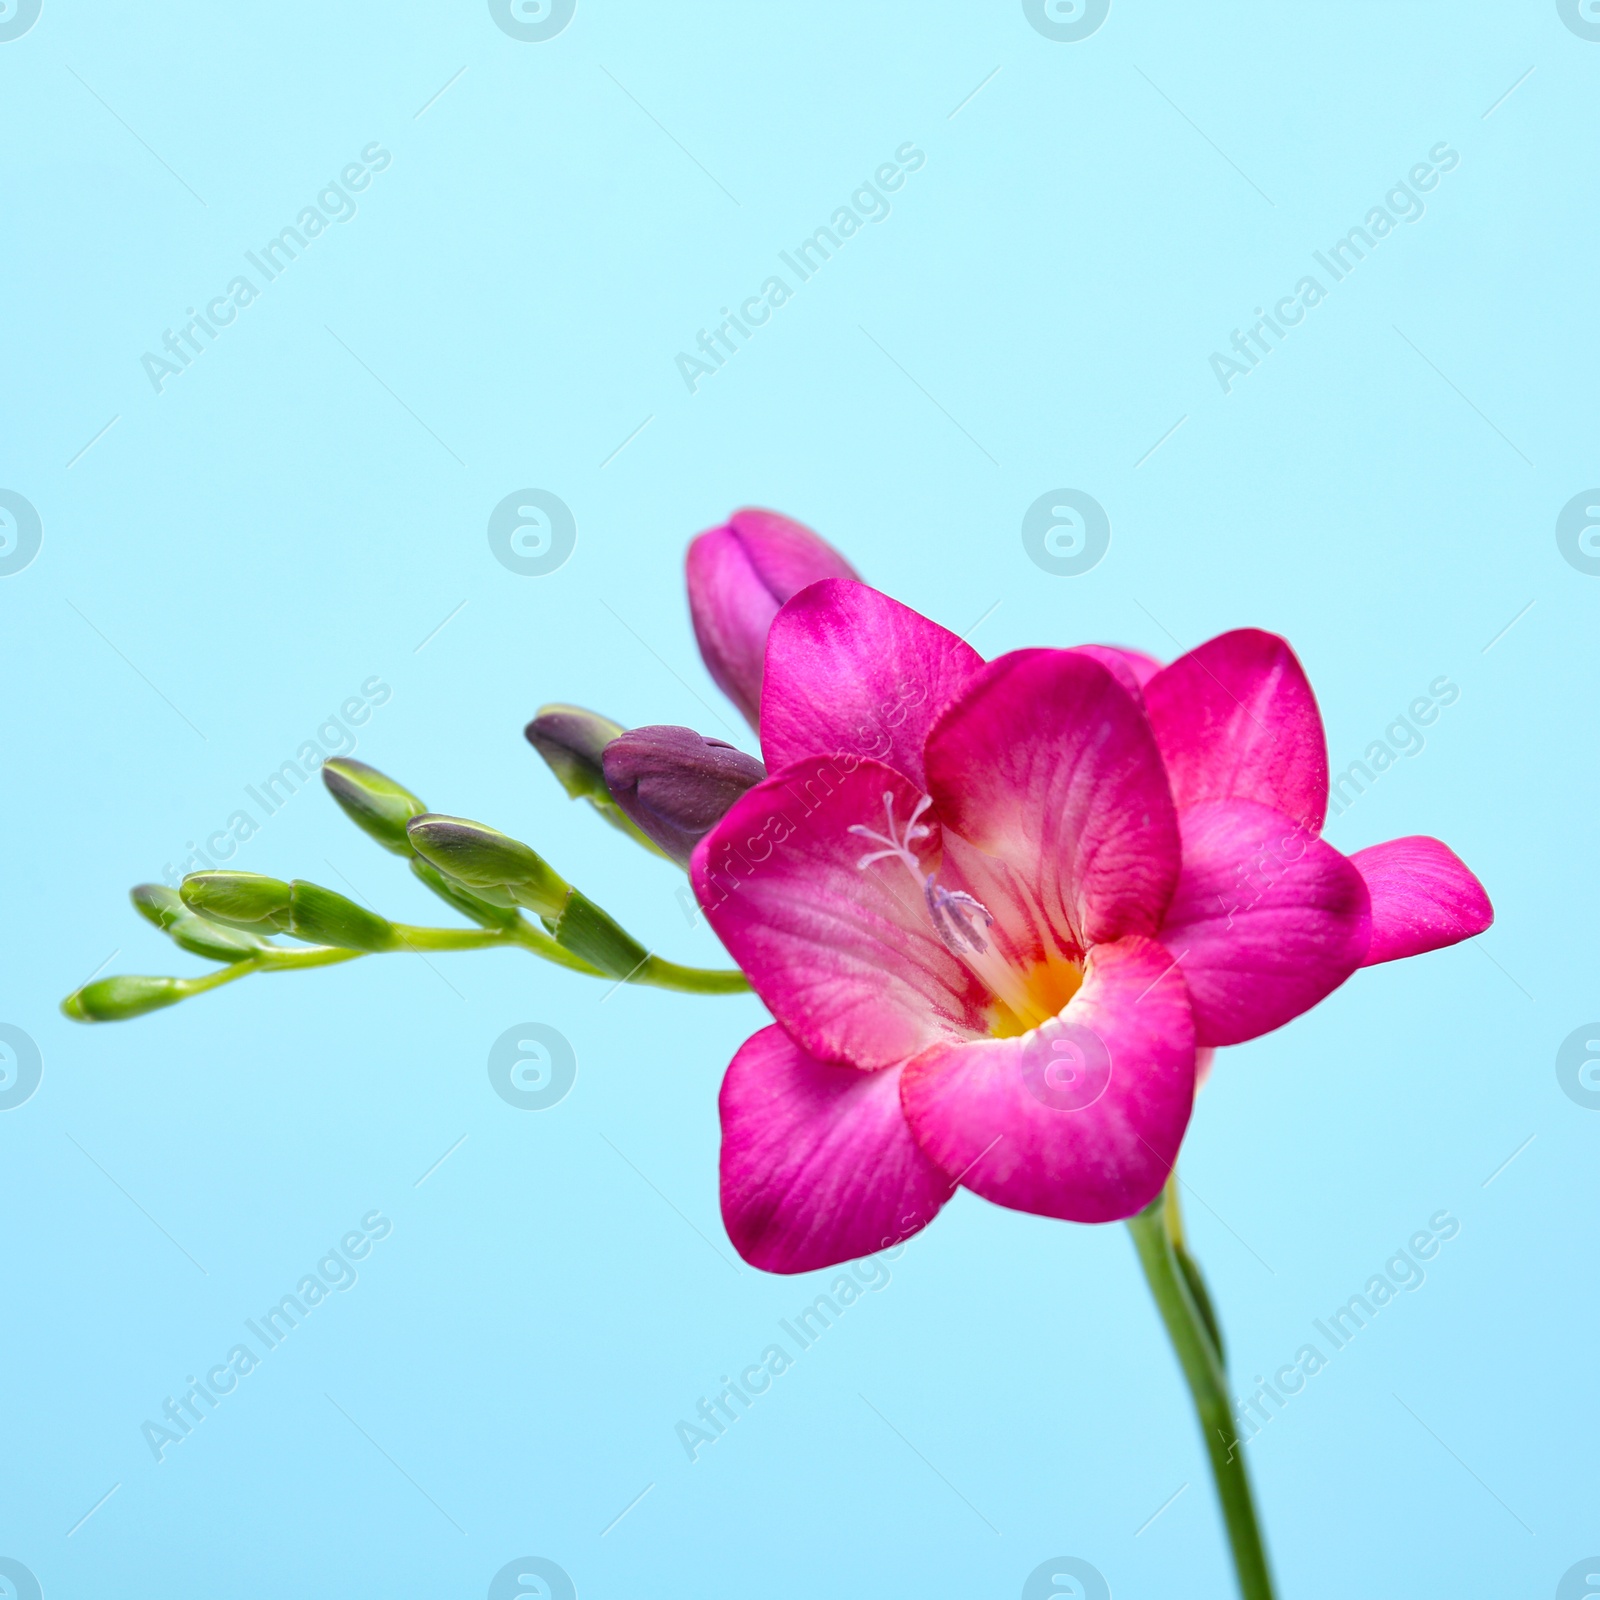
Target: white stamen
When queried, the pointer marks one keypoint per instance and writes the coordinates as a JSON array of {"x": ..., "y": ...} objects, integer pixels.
[
  {"x": 955, "y": 914},
  {"x": 895, "y": 844},
  {"x": 960, "y": 919}
]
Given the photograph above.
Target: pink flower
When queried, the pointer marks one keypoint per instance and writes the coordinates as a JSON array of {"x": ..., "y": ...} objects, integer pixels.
[
  {"x": 739, "y": 575},
  {"x": 996, "y": 909}
]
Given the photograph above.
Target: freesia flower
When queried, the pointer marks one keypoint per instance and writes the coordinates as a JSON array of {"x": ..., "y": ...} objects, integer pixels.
[
  {"x": 739, "y": 575},
  {"x": 1003, "y": 914},
  {"x": 996, "y": 909}
]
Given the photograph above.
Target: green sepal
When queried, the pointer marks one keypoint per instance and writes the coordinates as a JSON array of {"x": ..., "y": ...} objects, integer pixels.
[
  {"x": 469, "y": 905},
  {"x": 587, "y": 931},
  {"x": 373, "y": 801},
  {"x": 324, "y": 916},
  {"x": 116, "y": 999}
]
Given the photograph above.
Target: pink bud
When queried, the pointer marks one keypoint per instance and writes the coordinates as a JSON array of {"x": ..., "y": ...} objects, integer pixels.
[{"x": 739, "y": 575}]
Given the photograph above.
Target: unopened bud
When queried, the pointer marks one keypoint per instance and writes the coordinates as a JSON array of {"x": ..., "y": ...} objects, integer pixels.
[
  {"x": 570, "y": 739},
  {"x": 156, "y": 903},
  {"x": 116, "y": 999},
  {"x": 494, "y": 866},
  {"x": 202, "y": 937},
  {"x": 739, "y": 575},
  {"x": 216, "y": 941},
  {"x": 468, "y": 904},
  {"x": 375, "y": 803},
  {"x": 675, "y": 784},
  {"x": 238, "y": 899}
]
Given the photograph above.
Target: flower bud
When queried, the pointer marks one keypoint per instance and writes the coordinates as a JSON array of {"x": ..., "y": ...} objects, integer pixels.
[
  {"x": 375, "y": 803},
  {"x": 158, "y": 904},
  {"x": 739, "y": 575},
  {"x": 202, "y": 937},
  {"x": 570, "y": 739},
  {"x": 164, "y": 907},
  {"x": 492, "y": 865},
  {"x": 469, "y": 905},
  {"x": 116, "y": 999},
  {"x": 675, "y": 784},
  {"x": 323, "y": 916},
  {"x": 238, "y": 899}
]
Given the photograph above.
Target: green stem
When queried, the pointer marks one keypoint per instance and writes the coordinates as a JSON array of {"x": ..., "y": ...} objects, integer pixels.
[
  {"x": 270, "y": 960},
  {"x": 413, "y": 938},
  {"x": 654, "y": 972},
  {"x": 279, "y": 958},
  {"x": 85, "y": 1005},
  {"x": 659, "y": 974},
  {"x": 1158, "y": 1242}
]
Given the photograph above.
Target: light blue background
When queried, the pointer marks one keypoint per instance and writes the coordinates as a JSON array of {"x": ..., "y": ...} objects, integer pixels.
[{"x": 302, "y": 508}]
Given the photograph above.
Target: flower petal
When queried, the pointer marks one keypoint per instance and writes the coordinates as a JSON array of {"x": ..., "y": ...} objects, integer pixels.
[
  {"x": 738, "y": 576},
  {"x": 1236, "y": 720},
  {"x": 1080, "y": 1118},
  {"x": 1045, "y": 761},
  {"x": 845, "y": 957},
  {"x": 1133, "y": 669},
  {"x": 852, "y": 673},
  {"x": 1423, "y": 898},
  {"x": 818, "y": 1165},
  {"x": 1268, "y": 919}
]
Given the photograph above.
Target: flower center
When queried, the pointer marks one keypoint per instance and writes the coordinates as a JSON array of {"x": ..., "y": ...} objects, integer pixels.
[{"x": 1023, "y": 1000}]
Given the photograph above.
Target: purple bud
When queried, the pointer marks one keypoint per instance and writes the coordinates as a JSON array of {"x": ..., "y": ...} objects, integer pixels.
[{"x": 676, "y": 785}]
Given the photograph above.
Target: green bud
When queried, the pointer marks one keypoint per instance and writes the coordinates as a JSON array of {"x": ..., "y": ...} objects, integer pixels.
[
  {"x": 116, "y": 999},
  {"x": 202, "y": 937},
  {"x": 469, "y": 905},
  {"x": 324, "y": 916},
  {"x": 496, "y": 867},
  {"x": 587, "y": 931},
  {"x": 375, "y": 803},
  {"x": 156, "y": 903},
  {"x": 216, "y": 941},
  {"x": 238, "y": 899}
]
